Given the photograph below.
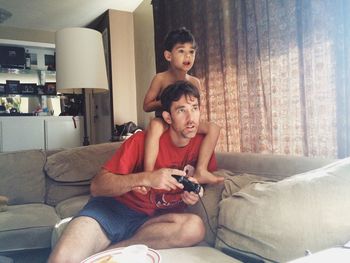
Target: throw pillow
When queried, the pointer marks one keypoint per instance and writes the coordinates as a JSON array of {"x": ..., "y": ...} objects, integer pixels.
[
  {"x": 212, "y": 196},
  {"x": 280, "y": 221},
  {"x": 79, "y": 164}
]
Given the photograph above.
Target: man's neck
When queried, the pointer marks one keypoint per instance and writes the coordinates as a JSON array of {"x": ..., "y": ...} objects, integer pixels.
[{"x": 178, "y": 140}]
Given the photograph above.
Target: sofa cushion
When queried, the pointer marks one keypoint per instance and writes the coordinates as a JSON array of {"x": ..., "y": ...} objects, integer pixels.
[
  {"x": 280, "y": 221},
  {"x": 235, "y": 183},
  {"x": 26, "y": 227},
  {"x": 22, "y": 177},
  {"x": 211, "y": 198},
  {"x": 59, "y": 191},
  {"x": 70, "y": 207},
  {"x": 195, "y": 255},
  {"x": 79, "y": 164}
]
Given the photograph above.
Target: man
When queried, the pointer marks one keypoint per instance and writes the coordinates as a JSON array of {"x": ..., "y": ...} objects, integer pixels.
[{"x": 130, "y": 206}]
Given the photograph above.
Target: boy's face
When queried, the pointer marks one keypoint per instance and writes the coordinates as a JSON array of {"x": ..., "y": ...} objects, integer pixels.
[
  {"x": 183, "y": 119},
  {"x": 182, "y": 56}
]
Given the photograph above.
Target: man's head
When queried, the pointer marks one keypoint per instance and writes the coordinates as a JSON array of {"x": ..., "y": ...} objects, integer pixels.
[
  {"x": 178, "y": 36},
  {"x": 181, "y": 111}
]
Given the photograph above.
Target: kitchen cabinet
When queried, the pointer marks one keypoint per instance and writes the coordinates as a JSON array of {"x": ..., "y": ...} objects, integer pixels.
[
  {"x": 21, "y": 133},
  {"x": 63, "y": 133},
  {"x": 40, "y": 132}
]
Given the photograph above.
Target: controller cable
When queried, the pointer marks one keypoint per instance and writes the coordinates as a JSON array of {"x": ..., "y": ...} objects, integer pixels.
[{"x": 240, "y": 250}]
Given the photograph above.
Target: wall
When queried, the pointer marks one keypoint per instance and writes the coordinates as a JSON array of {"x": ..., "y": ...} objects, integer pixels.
[
  {"x": 145, "y": 58},
  {"x": 132, "y": 42},
  {"x": 27, "y": 34},
  {"x": 123, "y": 66}
]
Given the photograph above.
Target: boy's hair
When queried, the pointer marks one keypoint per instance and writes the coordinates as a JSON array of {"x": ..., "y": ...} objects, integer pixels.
[
  {"x": 175, "y": 91},
  {"x": 180, "y": 35}
]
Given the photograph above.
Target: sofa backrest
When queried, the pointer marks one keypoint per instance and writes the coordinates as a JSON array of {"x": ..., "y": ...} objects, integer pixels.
[
  {"x": 22, "y": 179},
  {"x": 271, "y": 166},
  {"x": 69, "y": 172}
]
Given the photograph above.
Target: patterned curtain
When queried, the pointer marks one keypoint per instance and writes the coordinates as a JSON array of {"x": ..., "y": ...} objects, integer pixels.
[{"x": 275, "y": 73}]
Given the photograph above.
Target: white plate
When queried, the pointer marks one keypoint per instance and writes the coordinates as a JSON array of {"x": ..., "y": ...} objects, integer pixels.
[{"x": 152, "y": 256}]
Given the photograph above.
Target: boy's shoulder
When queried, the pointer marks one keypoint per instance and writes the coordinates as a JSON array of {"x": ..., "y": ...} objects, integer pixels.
[
  {"x": 162, "y": 75},
  {"x": 164, "y": 79},
  {"x": 194, "y": 80}
]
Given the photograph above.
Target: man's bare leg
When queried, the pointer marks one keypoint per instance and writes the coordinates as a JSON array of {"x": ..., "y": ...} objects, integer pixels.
[
  {"x": 82, "y": 238},
  {"x": 168, "y": 231}
]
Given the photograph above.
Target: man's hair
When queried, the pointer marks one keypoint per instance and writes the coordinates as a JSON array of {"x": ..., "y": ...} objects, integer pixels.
[
  {"x": 180, "y": 35},
  {"x": 175, "y": 91}
]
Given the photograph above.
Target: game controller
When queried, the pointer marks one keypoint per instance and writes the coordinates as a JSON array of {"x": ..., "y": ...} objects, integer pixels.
[{"x": 188, "y": 185}]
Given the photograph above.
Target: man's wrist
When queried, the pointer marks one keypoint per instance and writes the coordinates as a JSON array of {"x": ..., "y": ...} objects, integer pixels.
[{"x": 144, "y": 179}]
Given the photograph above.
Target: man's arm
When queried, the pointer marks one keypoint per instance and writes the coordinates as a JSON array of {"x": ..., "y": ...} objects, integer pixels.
[{"x": 109, "y": 184}]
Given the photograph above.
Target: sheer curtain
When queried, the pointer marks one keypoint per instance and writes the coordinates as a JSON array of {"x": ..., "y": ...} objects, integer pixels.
[{"x": 275, "y": 74}]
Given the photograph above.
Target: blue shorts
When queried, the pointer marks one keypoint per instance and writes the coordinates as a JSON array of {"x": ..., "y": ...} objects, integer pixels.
[{"x": 118, "y": 221}]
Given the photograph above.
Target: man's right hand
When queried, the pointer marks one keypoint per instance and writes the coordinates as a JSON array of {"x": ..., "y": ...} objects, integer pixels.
[{"x": 161, "y": 179}]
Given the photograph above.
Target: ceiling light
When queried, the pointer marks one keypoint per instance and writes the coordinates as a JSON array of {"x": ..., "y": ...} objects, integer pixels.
[{"x": 4, "y": 15}]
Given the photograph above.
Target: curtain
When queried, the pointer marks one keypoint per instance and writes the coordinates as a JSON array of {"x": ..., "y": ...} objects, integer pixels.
[{"x": 275, "y": 73}]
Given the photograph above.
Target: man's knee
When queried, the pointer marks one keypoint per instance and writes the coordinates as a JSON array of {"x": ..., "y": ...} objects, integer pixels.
[
  {"x": 60, "y": 256},
  {"x": 81, "y": 238},
  {"x": 193, "y": 230}
]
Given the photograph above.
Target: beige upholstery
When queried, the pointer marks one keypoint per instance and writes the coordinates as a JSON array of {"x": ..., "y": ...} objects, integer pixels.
[
  {"x": 22, "y": 178},
  {"x": 44, "y": 188},
  {"x": 79, "y": 164},
  {"x": 281, "y": 220},
  {"x": 195, "y": 255}
]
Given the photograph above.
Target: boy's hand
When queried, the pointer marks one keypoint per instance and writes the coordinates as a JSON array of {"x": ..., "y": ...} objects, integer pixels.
[{"x": 205, "y": 177}]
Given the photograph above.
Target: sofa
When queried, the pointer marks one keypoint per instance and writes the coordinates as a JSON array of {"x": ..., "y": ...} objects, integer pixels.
[{"x": 270, "y": 207}]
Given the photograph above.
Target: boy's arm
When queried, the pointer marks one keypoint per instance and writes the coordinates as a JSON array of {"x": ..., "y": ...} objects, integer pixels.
[
  {"x": 212, "y": 132},
  {"x": 207, "y": 148},
  {"x": 150, "y": 102}
]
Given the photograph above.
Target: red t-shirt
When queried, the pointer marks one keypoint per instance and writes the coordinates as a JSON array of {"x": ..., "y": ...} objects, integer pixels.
[{"x": 129, "y": 159}]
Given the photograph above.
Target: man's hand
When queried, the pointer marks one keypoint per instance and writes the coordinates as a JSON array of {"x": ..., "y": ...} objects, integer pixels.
[
  {"x": 161, "y": 179},
  {"x": 205, "y": 177},
  {"x": 191, "y": 198}
]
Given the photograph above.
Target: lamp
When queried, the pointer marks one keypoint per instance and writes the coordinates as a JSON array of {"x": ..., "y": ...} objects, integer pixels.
[{"x": 80, "y": 64}]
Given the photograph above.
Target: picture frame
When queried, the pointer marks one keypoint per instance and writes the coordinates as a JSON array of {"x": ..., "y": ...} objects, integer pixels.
[
  {"x": 2, "y": 88},
  {"x": 40, "y": 90},
  {"x": 29, "y": 88},
  {"x": 50, "y": 88},
  {"x": 13, "y": 87}
]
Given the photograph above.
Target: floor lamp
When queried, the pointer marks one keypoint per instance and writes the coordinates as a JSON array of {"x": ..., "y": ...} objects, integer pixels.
[{"x": 80, "y": 64}]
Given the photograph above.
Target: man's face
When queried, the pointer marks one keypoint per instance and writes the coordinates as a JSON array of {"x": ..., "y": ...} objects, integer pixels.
[{"x": 183, "y": 119}]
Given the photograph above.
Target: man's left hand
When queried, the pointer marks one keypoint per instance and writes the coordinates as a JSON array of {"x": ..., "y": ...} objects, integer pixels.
[{"x": 191, "y": 198}]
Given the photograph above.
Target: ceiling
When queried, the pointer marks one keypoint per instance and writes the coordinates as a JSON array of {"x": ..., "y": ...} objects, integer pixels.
[{"x": 52, "y": 15}]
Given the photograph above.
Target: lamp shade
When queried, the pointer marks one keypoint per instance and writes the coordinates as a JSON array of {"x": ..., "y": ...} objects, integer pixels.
[{"x": 80, "y": 60}]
